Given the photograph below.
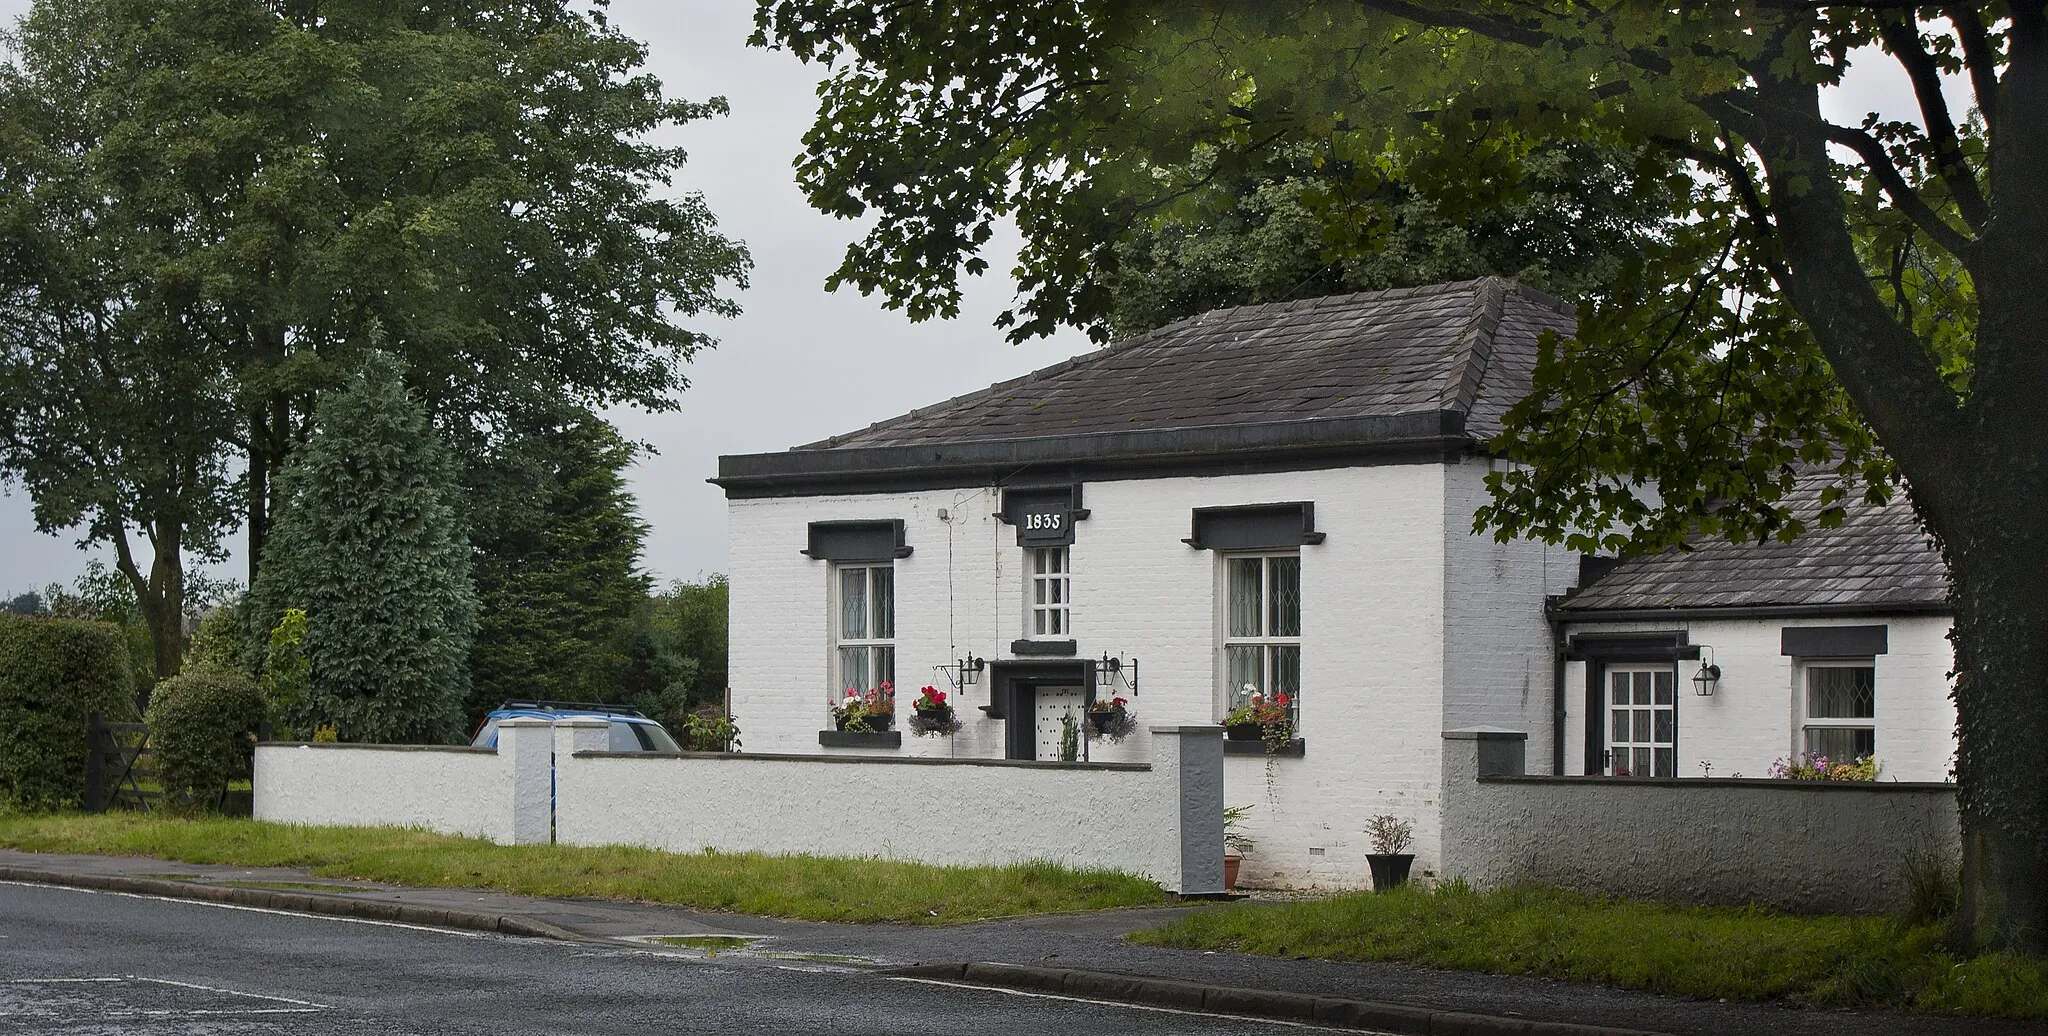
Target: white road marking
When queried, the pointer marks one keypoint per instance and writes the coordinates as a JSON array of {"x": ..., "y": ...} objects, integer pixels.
[
  {"x": 282, "y": 913},
  {"x": 299, "y": 1006},
  {"x": 1134, "y": 1007}
]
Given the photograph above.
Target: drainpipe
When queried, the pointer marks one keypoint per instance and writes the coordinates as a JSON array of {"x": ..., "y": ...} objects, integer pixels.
[{"x": 1557, "y": 711}]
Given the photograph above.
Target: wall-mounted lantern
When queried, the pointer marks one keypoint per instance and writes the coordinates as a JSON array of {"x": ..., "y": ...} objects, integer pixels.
[
  {"x": 1704, "y": 681},
  {"x": 965, "y": 672},
  {"x": 1117, "y": 672}
]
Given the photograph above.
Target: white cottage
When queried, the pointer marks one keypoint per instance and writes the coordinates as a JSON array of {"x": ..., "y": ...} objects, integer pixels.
[
  {"x": 1271, "y": 499},
  {"x": 1277, "y": 496}
]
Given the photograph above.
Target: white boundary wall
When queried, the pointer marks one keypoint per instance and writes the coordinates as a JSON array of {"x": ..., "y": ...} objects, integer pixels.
[
  {"x": 457, "y": 791},
  {"x": 1162, "y": 820}
]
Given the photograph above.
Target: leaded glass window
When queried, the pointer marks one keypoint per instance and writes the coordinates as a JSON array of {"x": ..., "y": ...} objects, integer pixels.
[
  {"x": 1841, "y": 710},
  {"x": 1261, "y": 628},
  {"x": 864, "y": 642}
]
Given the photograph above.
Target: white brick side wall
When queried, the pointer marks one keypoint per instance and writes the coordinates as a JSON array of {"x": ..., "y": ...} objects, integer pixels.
[
  {"x": 1497, "y": 660},
  {"x": 1753, "y": 717}
]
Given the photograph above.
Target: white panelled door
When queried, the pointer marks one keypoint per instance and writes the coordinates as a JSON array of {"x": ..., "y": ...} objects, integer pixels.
[{"x": 1053, "y": 703}]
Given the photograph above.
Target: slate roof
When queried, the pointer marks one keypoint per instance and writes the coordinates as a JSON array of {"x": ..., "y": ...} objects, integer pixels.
[
  {"x": 1467, "y": 347},
  {"x": 1878, "y": 558}
]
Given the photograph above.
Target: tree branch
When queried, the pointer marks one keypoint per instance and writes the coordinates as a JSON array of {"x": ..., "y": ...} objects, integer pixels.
[
  {"x": 1978, "y": 56},
  {"x": 1902, "y": 194},
  {"x": 1903, "y": 40},
  {"x": 1885, "y": 368}
]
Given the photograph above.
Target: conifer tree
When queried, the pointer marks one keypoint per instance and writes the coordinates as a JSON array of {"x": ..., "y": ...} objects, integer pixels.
[
  {"x": 558, "y": 574},
  {"x": 371, "y": 546}
]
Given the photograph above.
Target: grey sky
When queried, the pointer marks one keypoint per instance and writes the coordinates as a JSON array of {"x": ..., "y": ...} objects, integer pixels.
[{"x": 800, "y": 364}]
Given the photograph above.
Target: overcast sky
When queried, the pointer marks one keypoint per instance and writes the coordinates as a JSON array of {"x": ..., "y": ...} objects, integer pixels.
[{"x": 800, "y": 364}]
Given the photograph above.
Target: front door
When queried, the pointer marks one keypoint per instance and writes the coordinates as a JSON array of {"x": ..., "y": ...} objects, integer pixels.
[
  {"x": 1049, "y": 712},
  {"x": 1642, "y": 727}
]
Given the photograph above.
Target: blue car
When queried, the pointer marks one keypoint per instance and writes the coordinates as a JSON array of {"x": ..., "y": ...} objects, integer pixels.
[{"x": 630, "y": 731}]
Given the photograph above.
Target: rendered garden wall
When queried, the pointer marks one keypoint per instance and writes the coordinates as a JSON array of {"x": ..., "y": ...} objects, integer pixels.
[{"x": 1806, "y": 846}]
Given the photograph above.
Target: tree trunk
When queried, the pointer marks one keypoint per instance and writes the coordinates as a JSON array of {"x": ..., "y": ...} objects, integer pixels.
[
  {"x": 1999, "y": 568},
  {"x": 161, "y": 596}
]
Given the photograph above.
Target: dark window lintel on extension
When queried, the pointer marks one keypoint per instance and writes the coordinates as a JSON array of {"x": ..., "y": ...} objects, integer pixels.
[
  {"x": 1254, "y": 526},
  {"x": 873, "y": 540},
  {"x": 1630, "y": 647},
  {"x": 1834, "y": 641}
]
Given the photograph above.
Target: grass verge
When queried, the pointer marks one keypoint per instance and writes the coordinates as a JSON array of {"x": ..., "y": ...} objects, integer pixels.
[
  {"x": 1738, "y": 953},
  {"x": 812, "y": 888}
]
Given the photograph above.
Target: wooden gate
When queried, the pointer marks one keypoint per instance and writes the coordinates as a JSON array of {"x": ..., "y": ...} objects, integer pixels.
[{"x": 121, "y": 772}]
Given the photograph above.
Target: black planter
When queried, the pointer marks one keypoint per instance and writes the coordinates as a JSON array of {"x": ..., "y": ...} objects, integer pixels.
[
  {"x": 1244, "y": 732},
  {"x": 1389, "y": 869},
  {"x": 875, "y": 723},
  {"x": 1104, "y": 719}
]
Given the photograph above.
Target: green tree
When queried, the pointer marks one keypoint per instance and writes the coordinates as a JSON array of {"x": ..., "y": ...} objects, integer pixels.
[
  {"x": 371, "y": 546},
  {"x": 1861, "y": 298},
  {"x": 558, "y": 576},
  {"x": 679, "y": 650},
  {"x": 210, "y": 212}
]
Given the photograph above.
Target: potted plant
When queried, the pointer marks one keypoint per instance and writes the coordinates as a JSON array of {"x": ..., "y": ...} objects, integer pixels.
[
  {"x": 1111, "y": 719},
  {"x": 1389, "y": 858},
  {"x": 932, "y": 714},
  {"x": 1235, "y": 844},
  {"x": 1261, "y": 719},
  {"x": 866, "y": 712}
]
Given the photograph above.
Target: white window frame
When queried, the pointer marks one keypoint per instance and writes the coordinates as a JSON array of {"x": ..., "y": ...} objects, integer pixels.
[
  {"x": 1231, "y": 693},
  {"x": 1048, "y": 595},
  {"x": 878, "y": 670},
  {"x": 1648, "y": 708},
  {"x": 1802, "y": 693}
]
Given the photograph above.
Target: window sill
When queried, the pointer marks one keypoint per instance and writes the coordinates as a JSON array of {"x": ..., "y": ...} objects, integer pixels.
[
  {"x": 1294, "y": 748},
  {"x": 1044, "y": 647},
  {"x": 855, "y": 739}
]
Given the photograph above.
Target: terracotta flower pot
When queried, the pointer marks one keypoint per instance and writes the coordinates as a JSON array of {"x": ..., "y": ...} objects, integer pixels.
[{"x": 1231, "y": 863}]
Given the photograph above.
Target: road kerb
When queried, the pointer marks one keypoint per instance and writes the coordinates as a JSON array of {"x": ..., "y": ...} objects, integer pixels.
[
  {"x": 1250, "y": 1003},
  {"x": 296, "y": 902}
]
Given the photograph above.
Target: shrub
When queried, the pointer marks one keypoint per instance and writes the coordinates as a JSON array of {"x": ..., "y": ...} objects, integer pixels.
[
  {"x": 54, "y": 674},
  {"x": 201, "y": 725}
]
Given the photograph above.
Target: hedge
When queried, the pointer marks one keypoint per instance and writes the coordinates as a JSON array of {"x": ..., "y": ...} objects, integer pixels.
[
  {"x": 202, "y": 725},
  {"x": 54, "y": 674}
]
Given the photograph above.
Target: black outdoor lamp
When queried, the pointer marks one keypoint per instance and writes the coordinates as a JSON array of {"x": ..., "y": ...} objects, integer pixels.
[{"x": 1703, "y": 681}]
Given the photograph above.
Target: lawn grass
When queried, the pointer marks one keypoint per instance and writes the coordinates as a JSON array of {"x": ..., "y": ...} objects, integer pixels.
[
  {"x": 812, "y": 888},
  {"x": 1737, "y": 953}
]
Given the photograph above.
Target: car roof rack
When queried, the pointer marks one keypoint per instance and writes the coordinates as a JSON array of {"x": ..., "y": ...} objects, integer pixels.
[{"x": 586, "y": 706}]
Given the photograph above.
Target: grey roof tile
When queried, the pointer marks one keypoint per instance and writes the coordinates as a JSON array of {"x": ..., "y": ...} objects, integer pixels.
[
  {"x": 1468, "y": 346},
  {"x": 1880, "y": 555}
]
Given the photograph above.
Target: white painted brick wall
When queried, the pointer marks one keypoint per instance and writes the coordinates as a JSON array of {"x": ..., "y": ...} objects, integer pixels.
[
  {"x": 1375, "y": 609},
  {"x": 1752, "y": 719}
]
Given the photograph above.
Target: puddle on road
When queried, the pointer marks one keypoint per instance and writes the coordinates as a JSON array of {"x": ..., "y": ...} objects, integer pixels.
[{"x": 708, "y": 943}]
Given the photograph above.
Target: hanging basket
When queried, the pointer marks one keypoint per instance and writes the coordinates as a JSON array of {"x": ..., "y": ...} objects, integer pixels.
[
  {"x": 934, "y": 723},
  {"x": 1112, "y": 725}
]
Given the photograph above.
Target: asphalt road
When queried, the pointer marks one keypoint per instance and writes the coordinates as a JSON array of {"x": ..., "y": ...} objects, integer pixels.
[{"x": 78, "y": 962}]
